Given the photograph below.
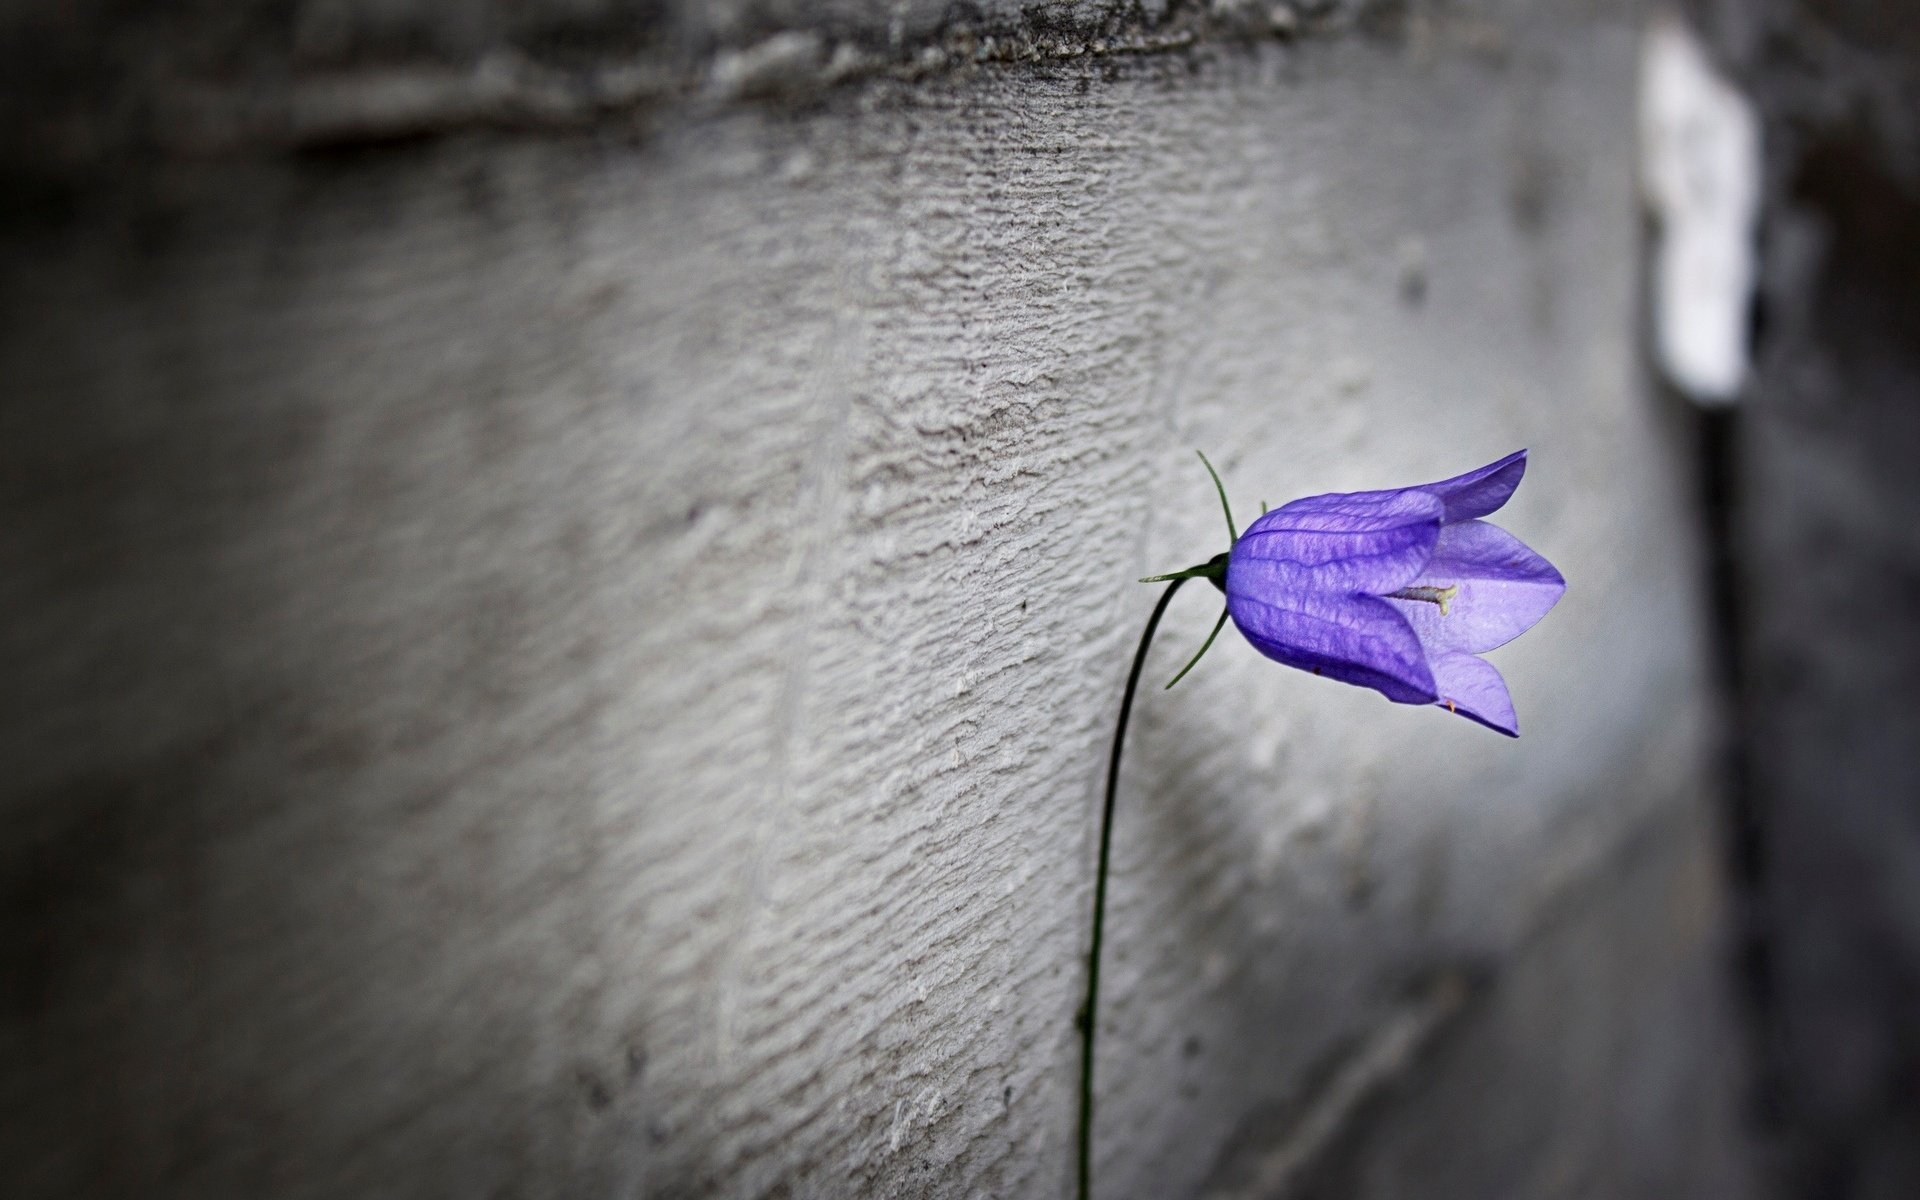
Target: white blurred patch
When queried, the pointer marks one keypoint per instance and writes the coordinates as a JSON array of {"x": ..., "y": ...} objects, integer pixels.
[{"x": 1700, "y": 166}]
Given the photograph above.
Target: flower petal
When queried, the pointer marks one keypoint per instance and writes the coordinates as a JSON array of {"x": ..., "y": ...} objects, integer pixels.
[
  {"x": 1353, "y": 512},
  {"x": 1504, "y": 588},
  {"x": 1355, "y": 639},
  {"x": 1480, "y": 492},
  {"x": 1471, "y": 687},
  {"x": 1280, "y": 561}
]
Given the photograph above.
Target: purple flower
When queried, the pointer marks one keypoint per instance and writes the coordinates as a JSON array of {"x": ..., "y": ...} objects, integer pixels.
[{"x": 1399, "y": 591}]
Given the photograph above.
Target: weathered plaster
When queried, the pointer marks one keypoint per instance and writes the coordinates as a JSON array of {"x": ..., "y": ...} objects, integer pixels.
[
  {"x": 91, "y": 92},
  {"x": 581, "y": 665}
]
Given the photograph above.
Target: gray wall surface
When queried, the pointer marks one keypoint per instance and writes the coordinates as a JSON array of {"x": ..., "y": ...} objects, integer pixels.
[{"x": 578, "y": 660}]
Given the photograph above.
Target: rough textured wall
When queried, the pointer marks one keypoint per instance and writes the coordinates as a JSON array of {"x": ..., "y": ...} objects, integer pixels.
[
  {"x": 93, "y": 86},
  {"x": 579, "y": 663}
]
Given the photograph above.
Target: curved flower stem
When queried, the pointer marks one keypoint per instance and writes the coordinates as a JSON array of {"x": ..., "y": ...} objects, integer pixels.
[{"x": 1088, "y": 1019}]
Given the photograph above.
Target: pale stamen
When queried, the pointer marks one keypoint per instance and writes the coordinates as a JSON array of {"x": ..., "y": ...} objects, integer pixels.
[{"x": 1430, "y": 595}]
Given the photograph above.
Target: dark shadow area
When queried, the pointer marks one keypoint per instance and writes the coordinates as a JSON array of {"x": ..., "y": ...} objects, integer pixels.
[{"x": 1812, "y": 496}]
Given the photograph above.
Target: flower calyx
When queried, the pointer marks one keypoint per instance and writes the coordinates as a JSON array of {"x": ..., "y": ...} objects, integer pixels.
[{"x": 1214, "y": 570}]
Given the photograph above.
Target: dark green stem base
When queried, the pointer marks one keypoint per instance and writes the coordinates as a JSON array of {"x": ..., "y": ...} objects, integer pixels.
[{"x": 1089, "y": 1012}]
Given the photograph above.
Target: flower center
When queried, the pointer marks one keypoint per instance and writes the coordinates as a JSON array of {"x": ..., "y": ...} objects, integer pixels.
[{"x": 1442, "y": 596}]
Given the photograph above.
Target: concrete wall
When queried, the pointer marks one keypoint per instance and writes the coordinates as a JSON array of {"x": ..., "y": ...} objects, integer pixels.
[{"x": 578, "y": 660}]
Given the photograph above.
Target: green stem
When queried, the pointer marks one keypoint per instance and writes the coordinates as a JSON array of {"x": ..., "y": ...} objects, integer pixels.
[{"x": 1089, "y": 1012}]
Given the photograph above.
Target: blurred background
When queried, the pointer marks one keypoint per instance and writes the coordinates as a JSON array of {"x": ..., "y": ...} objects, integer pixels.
[{"x": 566, "y": 568}]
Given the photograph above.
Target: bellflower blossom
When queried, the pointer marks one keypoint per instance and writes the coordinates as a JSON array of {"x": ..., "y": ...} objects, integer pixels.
[{"x": 1398, "y": 590}]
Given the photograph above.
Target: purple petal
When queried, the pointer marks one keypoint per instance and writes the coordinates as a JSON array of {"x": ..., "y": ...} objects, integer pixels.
[
  {"x": 1480, "y": 492},
  {"x": 1471, "y": 687},
  {"x": 1504, "y": 588},
  {"x": 1278, "y": 561},
  {"x": 1353, "y": 512},
  {"x": 1355, "y": 639}
]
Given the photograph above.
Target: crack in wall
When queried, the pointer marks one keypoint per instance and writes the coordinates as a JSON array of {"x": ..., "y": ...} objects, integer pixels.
[{"x": 1355, "y": 1075}]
